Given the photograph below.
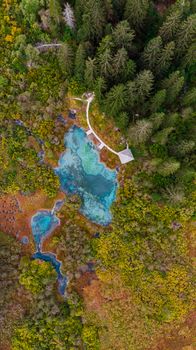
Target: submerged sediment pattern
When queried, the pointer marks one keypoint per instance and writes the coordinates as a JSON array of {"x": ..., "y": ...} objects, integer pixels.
[{"x": 80, "y": 171}]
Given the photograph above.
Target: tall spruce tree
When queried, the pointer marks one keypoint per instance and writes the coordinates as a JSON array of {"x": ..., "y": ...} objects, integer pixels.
[
  {"x": 55, "y": 10},
  {"x": 116, "y": 100},
  {"x": 144, "y": 83},
  {"x": 65, "y": 58},
  {"x": 166, "y": 57},
  {"x": 80, "y": 62},
  {"x": 173, "y": 86},
  {"x": 157, "y": 101},
  {"x": 168, "y": 167},
  {"x": 171, "y": 25},
  {"x": 123, "y": 36},
  {"x": 105, "y": 63},
  {"x": 119, "y": 62},
  {"x": 136, "y": 11},
  {"x": 152, "y": 53},
  {"x": 186, "y": 34},
  {"x": 93, "y": 20},
  {"x": 90, "y": 73}
]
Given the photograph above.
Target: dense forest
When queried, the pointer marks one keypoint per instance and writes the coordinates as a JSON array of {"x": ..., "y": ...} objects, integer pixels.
[{"x": 139, "y": 57}]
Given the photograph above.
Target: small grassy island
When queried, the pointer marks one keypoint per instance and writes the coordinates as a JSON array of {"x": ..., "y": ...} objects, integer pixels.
[{"x": 97, "y": 165}]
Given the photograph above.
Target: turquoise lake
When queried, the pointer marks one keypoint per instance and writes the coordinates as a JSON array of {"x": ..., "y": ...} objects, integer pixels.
[{"x": 81, "y": 172}]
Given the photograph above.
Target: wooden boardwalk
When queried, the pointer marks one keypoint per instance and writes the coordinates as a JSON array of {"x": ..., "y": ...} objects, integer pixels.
[{"x": 125, "y": 156}]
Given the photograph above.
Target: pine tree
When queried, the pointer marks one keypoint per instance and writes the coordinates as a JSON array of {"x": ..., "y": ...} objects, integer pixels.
[
  {"x": 166, "y": 58},
  {"x": 55, "y": 10},
  {"x": 65, "y": 58},
  {"x": 189, "y": 58},
  {"x": 123, "y": 36},
  {"x": 131, "y": 94},
  {"x": 122, "y": 120},
  {"x": 161, "y": 137},
  {"x": 140, "y": 132},
  {"x": 99, "y": 88},
  {"x": 190, "y": 97},
  {"x": 185, "y": 147},
  {"x": 157, "y": 119},
  {"x": 152, "y": 52},
  {"x": 80, "y": 62},
  {"x": 116, "y": 100},
  {"x": 174, "y": 194},
  {"x": 90, "y": 72},
  {"x": 136, "y": 11},
  {"x": 170, "y": 166},
  {"x": 186, "y": 35},
  {"x": 173, "y": 86},
  {"x": 171, "y": 25},
  {"x": 119, "y": 62},
  {"x": 93, "y": 20},
  {"x": 144, "y": 83},
  {"x": 157, "y": 101},
  {"x": 105, "y": 63}
]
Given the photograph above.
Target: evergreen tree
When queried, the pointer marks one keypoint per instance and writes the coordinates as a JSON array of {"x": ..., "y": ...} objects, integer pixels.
[
  {"x": 122, "y": 120},
  {"x": 65, "y": 58},
  {"x": 189, "y": 58},
  {"x": 55, "y": 10},
  {"x": 119, "y": 62},
  {"x": 174, "y": 194},
  {"x": 152, "y": 52},
  {"x": 105, "y": 63},
  {"x": 123, "y": 36},
  {"x": 144, "y": 83},
  {"x": 136, "y": 11},
  {"x": 93, "y": 20},
  {"x": 173, "y": 86},
  {"x": 162, "y": 136},
  {"x": 190, "y": 97},
  {"x": 157, "y": 119},
  {"x": 90, "y": 72},
  {"x": 157, "y": 101},
  {"x": 140, "y": 132},
  {"x": 171, "y": 25},
  {"x": 185, "y": 147},
  {"x": 169, "y": 167},
  {"x": 166, "y": 57},
  {"x": 80, "y": 62},
  {"x": 100, "y": 88},
  {"x": 30, "y": 9},
  {"x": 116, "y": 100},
  {"x": 131, "y": 94},
  {"x": 186, "y": 35},
  {"x": 128, "y": 71}
]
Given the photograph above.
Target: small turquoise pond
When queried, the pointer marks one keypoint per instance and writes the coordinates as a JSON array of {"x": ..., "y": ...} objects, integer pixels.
[
  {"x": 42, "y": 224},
  {"x": 80, "y": 171}
]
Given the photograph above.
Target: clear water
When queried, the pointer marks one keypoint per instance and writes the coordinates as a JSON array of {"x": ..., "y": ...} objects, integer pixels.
[
  {"x": 50, "y": 257},
  {"x": 80, "y": 171},
  {"x": 42, "y": 224}
]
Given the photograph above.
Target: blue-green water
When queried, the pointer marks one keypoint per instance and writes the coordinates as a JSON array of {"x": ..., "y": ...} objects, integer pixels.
[
  {"x": 42, "y": 224},
  {"x": 80, "y": 171}
]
